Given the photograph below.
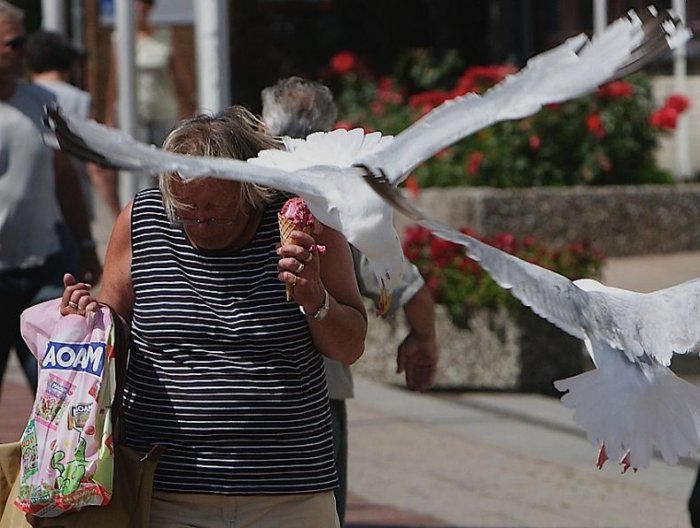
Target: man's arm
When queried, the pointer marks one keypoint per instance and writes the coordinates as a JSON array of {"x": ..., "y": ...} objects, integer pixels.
[
  {"x": 418, "y": 353},
  {"x": 72, "y": 203}
]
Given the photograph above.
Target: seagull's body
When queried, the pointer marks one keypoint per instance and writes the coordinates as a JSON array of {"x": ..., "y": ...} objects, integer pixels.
[{"x": 326, "y": 169}]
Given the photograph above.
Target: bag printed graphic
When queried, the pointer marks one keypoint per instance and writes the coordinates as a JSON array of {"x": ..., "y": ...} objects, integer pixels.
[{"x": 67, "y": 450}]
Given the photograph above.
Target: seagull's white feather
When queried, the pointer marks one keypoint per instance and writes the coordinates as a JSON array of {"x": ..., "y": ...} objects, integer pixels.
[
  {"x": 631, "y": 401},
  {"x": 340, "y": 148}
]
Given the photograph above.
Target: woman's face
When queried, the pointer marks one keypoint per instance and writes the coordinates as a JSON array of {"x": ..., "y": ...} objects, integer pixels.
[{"x": 214, "y": 215}]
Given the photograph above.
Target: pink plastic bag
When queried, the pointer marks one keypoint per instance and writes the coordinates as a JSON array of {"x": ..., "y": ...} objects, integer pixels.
[{"x": 67, "y": 450}]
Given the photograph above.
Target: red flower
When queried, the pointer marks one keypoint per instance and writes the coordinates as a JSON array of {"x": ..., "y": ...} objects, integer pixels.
[
  {"x": 534, "y": 142},
  {"x": 343, "y": 62},
  {"x": 474, "y": 162},
  {"x": 470, "y": 267},
  {"x": 594, "y": 124},
  {"x": 412, "y": 186},
  {"x": 505, "y": 242},
  {"x": 429, "y": 99},
  {"x": 347, "y": 125},
  {"x": 386, "y": 92},
  {"x": 377, "y": 108},
  {"x": 678, "y": 102},
  {"x": 616, "y": 89},
  {"x": 469, "y": 231},
  {"x": 443, "y": 252},
  {"x": 433, "y": 284},
  {"x": 666, "y": 118},
  {"x": 417, "y": 235},
  {"x": 445, "y": 153}
]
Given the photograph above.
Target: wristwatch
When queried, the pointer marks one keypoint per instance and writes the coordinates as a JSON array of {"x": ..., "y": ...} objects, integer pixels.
[{"x": 322, "y": 311}]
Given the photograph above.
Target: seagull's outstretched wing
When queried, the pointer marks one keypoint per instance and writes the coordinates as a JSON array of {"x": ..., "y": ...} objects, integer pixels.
[
  {"x": 631, "y": 403},
  {"x": 576, "y": 67},
  {"x": 653, "y": 325}
]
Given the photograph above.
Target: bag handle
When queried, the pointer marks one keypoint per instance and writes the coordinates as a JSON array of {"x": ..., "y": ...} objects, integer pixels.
[{"x": 121, "y": 346}]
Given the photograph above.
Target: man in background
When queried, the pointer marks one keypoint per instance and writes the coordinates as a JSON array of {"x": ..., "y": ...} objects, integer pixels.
[
  {"x": 297, "y": 107},
  {"x": 52, "y": 61},
  {"x": 39, "y": 192}
]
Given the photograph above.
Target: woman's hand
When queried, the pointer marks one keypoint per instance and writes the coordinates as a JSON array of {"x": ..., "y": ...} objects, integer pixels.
[
  {"x": 76, "y": 297},
  {"x": 300, "y": 266}
]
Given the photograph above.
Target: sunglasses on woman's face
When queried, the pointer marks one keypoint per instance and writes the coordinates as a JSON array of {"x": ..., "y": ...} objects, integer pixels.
[{"x": 16, "y": 43}]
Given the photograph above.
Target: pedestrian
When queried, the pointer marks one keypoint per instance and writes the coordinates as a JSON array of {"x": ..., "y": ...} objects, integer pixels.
[
  {"x": 52, "y": 62},
  {"x": 223, "y": 370},
  {"x": 39, "y": 192},
  {"x": 164, "y": 92},
  {"x": 297, "y": 107}
]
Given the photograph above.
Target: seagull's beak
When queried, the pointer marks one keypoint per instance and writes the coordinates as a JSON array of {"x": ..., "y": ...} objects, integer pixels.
[{"x": 384, "y": 302}]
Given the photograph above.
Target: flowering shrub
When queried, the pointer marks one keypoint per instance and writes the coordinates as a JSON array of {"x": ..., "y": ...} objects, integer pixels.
[
  {"x": 461, "y": 285},
  {"x": 607, "y": 137}
]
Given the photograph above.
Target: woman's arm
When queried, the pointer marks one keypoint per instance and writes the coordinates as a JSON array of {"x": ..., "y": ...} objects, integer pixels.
[
  {"x": 341, "y": 333},
  {"x": 183, "y": 87},
  {"x": 117, "y": 290}
]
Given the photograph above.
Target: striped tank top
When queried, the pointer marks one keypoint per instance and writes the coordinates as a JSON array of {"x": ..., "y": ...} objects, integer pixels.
[{"x": 223, "y": 371}]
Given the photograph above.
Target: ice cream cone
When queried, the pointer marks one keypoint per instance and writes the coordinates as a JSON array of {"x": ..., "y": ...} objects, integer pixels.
[{"x": 286, "y": 226}]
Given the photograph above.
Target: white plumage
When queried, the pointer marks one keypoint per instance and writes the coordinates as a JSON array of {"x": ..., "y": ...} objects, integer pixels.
[{"x": 327, "y": 169}]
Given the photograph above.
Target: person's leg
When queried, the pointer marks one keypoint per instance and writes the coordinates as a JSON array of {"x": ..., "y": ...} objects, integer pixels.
[
  {"x": 28, "y": 363},
  {"x": 187, "y": 510},
  {"x": 16, "y": 290},
  {"x": 306, "y": 510},
  {"x": 339, "y": 422}
]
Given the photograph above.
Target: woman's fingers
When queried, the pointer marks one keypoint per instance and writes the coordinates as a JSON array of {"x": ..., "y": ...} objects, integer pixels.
[{"x": 76, "y": 297}]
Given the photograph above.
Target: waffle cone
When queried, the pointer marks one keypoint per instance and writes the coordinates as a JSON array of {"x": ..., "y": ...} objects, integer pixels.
[{"x": 286, "y": 227}]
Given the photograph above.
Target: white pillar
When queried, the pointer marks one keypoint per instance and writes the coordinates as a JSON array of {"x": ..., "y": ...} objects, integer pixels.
[
  {"x": 683, "y": 165},
  {"x": 212, "y": 46},
  {"x": 53, "y": 16},
  {"x": 600, "y": 16},
  {"x": 126, "y": 109}
]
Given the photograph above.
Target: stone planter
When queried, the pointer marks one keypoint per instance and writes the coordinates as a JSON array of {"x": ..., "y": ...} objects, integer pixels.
[
  {"x": 620, "y": 220},
  {"x": 503, "y": 349}
]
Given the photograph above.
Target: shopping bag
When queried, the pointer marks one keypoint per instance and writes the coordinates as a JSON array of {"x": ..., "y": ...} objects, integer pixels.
[{"x": 67, "y": 448}]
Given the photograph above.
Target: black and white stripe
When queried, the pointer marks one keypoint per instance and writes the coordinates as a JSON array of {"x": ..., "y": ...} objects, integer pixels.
[{"x": 223, "y": 371}]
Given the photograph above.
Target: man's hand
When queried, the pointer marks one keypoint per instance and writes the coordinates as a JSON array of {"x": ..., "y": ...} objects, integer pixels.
[
  {"x": 418, "y": 353},
  {"x": 418, "y": 357}
]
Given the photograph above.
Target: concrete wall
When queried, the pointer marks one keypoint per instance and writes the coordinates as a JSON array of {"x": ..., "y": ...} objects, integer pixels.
[{"x": 620, "y": 220}]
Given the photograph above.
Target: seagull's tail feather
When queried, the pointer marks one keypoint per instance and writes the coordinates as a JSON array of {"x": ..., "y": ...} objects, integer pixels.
[
  {"x": 70, "y": 142},
  {"x": 635, "y": 408}
]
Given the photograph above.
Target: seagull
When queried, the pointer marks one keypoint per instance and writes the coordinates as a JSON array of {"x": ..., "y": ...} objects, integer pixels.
[
  {"x": 631, "y": 402},
  {"x": 327, "y": 169}
]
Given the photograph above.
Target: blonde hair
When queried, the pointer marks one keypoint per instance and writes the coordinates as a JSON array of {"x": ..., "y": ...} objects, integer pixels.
[{"x": 232, "y": 133}]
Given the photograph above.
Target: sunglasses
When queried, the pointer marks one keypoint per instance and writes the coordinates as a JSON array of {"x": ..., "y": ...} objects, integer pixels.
[
  {"x": 16, "y": 43},
  {"x": 178, "y": 220}
]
